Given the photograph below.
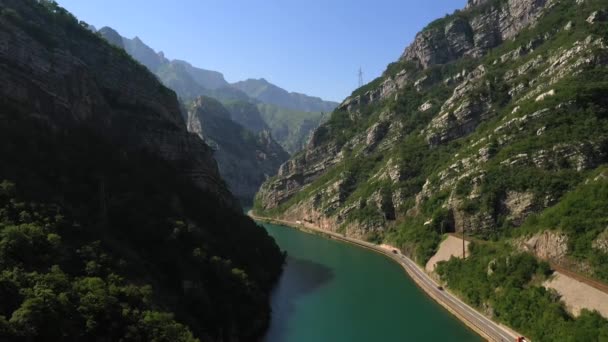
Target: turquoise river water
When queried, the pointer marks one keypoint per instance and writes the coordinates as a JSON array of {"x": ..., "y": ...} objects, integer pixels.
[{"x": 333, "y": 291}]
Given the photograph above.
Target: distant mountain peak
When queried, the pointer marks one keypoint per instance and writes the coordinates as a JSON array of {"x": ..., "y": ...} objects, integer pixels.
[
  {"x": 264, "y": 91},
  {"x": 111, "y": 36}
]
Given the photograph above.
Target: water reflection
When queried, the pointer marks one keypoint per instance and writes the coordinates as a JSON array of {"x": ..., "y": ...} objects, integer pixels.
[{"x": 299, "y": 278}]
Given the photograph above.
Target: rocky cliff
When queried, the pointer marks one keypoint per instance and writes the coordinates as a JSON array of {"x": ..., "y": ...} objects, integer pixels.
[
  {"x": 491, "y": 115},
  {"x": 245, "y": 159},
  {"x": 90, "y": 83},
  {"x": 483, "y": 25},
  {"x": 243, "y": 146}
]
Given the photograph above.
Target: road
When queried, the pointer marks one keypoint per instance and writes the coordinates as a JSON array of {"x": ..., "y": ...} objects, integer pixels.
[{"x": 471, "y": 317}]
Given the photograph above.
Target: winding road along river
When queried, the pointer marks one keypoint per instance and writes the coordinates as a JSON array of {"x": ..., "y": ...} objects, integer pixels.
[{"x": 333, "y": 291}]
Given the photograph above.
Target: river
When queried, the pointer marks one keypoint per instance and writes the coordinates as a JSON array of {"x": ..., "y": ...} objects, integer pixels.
[{"x": 333, "y": 291}]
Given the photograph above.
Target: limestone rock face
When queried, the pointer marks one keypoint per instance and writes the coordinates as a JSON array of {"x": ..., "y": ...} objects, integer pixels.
[
  {"x": 601, "y": 243},
  {"x": 517, "y": 206},
  {"x": 548, "y": 245},
  {"x": 245, "y": 159},
  {"x": 462, "y": 112},
  {"x": 297, "y": 172},
  {"x": 459, "y": 37},
  {"x": 468, "y": 222},
  {"x": 598, "y": 16}
]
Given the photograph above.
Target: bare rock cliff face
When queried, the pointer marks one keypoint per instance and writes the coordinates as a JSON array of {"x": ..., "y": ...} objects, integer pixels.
[
  {"x": 484, "y": 25},
  {"x": 300, "y": 170},
  {"x": 548, "y": 245},
  {"x": 472, "y": 32},
  {"x": 245, "y": 159},
  {"x": 88, "y": 82},
  {"x": 601, "y": 243}
]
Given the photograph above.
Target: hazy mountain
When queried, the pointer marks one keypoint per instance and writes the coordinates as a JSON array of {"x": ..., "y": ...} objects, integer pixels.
[
  {"x": 206, "y": 78},
  {"x": 267, "y": 92},
  {"x": 144, "y": 54},
  {"x": 245, "y": 159},
  {"x": 111, "y": 36},
  {"x": 187, "y": 80},
  {"x": 291, "y": 117},
  {"x": 177, "y": 77},
  {"x": 291, "y": 127},
  {"x": 244, "y": 147},
  {"x": 247, "y": 114}
]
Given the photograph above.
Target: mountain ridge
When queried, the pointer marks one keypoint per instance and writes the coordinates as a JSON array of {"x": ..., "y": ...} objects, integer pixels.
[
  {"x": 267, "y": 92},
  {"x": 190, "y": 82}
]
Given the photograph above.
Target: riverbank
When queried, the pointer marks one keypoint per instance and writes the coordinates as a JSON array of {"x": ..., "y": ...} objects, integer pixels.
[{"x": 483, "y": 326}]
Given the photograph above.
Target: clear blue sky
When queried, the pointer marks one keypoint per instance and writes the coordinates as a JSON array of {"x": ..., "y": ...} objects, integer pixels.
[{"x": 310, "y": 46}]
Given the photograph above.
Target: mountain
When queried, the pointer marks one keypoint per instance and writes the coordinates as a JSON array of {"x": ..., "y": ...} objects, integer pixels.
[
  {"x": 176, "y": 77},
  {"x": 142, "y": 52},
  {"x": 492, "y": 123},
  {"x": 114, "y": 221},
  {"x": 292, "y": 128},
  {"x": 111, "y": 36},
  {"x": 206, "y": 78},
  {"x": 239, "y": 151},
  {"x": 269, "y": 93},
  {"x": 290, "y": 125},
  {"x": 245, "y": 159},
  {"x": 247, "y": 114}
]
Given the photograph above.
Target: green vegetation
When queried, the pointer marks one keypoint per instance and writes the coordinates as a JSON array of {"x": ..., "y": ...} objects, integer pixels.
[
  {"x": 499, "y": 147},
  {"x": 57, "y": 288},
  {"x": 101, "y": 238},
  {"x": 265, "y": 92},
  {"x": 246, "y": 114},
  {"x": 581, "y": 214},
  {"x": 143, "y": 261},
  {"x": 496, "y": 279}
]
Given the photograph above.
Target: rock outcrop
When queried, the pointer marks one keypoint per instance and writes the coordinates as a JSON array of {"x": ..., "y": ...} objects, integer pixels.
[
  {"x": 601, "y": 242},
  {"x": 245, "y": 159},
  {"x": 548, "y": 245},
  {"x": 517, "y": 206},
  {"x": 483, "y": 25}
]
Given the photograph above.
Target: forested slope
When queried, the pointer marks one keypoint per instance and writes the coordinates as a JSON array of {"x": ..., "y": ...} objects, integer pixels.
[{"x": 114, "y": 221}]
